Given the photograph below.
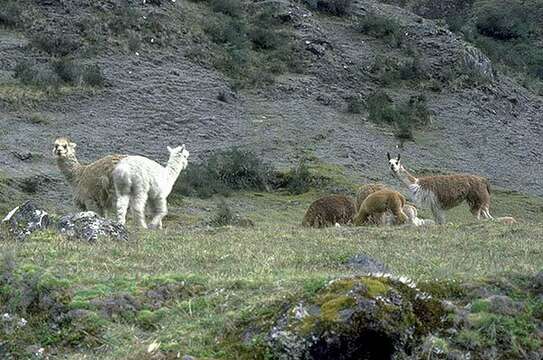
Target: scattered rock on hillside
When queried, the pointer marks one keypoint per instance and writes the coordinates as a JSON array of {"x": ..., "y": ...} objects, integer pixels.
[
  {"x": 478, "y": 63},
  {"x": 26, "y": 219},
  {"x": 88, "y": 226}
]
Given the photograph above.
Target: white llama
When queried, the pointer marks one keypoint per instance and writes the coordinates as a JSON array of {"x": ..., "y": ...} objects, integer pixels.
[
  {"x": 444, "y": 192},
  {"x": 140, "y": 181}
]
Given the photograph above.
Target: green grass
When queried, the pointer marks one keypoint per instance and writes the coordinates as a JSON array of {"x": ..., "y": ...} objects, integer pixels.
[{"x": 248, "y": 271}]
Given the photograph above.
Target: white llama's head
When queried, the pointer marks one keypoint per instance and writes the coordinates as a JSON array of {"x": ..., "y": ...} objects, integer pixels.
[
  {"x": 63, "y": 147},
  {"x": 178, "y": 153},
  {"x": 395, "y": 164}
]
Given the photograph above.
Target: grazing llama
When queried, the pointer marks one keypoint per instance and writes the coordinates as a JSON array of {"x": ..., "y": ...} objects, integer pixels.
[
  {"x": 363, "y": 192},
  {"x": 329, "y": 211},
  {"x": 380, "y": 202},
  {"x": 140, "y": 181},
  {"x": 92, "y": 183},
  {"x": 445, "y": 192}
]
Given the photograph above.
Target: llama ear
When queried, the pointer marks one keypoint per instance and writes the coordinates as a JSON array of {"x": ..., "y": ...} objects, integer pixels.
[
  {"x": 73, "y": 145},
  {"x": 169, "y": 149},
  {"x": 388, "y": 156},
  {"x": 398, "y": 157}
]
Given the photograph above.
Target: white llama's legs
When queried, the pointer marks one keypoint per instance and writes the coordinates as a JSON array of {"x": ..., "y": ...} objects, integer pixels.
[
  {"x": 486, "y": 213},
  {"x": 159, "y": 210},
  {"x": 438, "y": 214},
  {"x": 138, "y": 202},
  {"x": 122, "y": 208}
]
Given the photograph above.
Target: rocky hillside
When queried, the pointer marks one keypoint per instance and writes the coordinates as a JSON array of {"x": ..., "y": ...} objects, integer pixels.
[{"x": 286, "y": 78}]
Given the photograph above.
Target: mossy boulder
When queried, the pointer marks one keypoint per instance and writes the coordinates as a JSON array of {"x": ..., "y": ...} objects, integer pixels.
[{"x": 363, "y": 317}]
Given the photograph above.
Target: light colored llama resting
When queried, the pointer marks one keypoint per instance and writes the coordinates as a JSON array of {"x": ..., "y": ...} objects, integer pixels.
[
  {"x": 91, "y": 183},
  {"x": 439, "y": 193},
  {"x": 140, "y": 181}
]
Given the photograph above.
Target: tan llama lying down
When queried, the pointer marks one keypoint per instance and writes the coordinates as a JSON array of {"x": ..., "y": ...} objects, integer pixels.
[
  {"x": 363, "y": 192},
  {"x": 329, "y": 211},
  {"x": 380, "y": 202}
]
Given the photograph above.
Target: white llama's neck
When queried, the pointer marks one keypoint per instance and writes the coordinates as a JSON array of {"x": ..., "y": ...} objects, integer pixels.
[
  {"x": 70, "y": 167},
  {"x": 409, "y": 180},
  {"x": 173, "y": 169}
]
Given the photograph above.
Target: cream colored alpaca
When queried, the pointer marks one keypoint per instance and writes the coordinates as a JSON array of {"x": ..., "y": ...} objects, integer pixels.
[
  {"x": 140, "y": 181},
  {"x": 91, "y": 184}
]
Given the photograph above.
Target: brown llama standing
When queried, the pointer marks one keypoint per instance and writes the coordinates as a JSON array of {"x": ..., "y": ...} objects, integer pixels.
[
  {"x": 439, "y": 193},
  {"x": 330, "y": 210},
  {"x": 379, "y": 203}
]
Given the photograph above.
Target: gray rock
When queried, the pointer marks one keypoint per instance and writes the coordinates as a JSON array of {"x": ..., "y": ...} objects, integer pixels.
[
  {"x": 364, "y": 317},
  {"x": 365, "y": 264},
  {"x": 478, "y": 62},
  {"x": 88, "y": 226},
  {"x": 26, "y": 219},
  {"x": 538, "y": 282}
]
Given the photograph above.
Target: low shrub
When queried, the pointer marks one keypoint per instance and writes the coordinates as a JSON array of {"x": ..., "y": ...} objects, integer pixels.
[
  {"x": 58, "y": 72},
  {"x": 232, "y": 8},
  {"x": 381, "y": 27},
  {"x": 355, "y": 104},
  {"x": 55, "y": 44},
  {"x": 40, "y": 75},
  {"x": 504, "y": 20},
  {"x": 299, "y": 179},
  {"x": 10, "y": 14},
  {"x": 227, "y": 30},
  {"x": 225, "y": 171},
  {"x": 404, "y": 117},
  {"x": 334, "y": 7}
]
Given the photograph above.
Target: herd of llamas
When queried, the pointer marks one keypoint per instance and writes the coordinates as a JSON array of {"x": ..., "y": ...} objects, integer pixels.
[{"x": 116, "y": 183}]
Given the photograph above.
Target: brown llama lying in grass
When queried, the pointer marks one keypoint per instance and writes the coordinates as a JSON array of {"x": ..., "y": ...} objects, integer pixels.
[
  {"x": 439, "y": 193},
  {"x": 380, "y": 202},
  {"x": 330, "y": 210}
]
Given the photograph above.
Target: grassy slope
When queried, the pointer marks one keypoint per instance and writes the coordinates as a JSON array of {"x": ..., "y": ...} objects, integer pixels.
[{"x": 247, "y": 270}]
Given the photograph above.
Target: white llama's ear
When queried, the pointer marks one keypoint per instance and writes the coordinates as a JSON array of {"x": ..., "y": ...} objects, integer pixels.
[
  {"x": 73, "y": 145},
  {"x": 182, "y": 147},
  {"x": 388, "y": 156},
  {"x": 169, "y": 149}
]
